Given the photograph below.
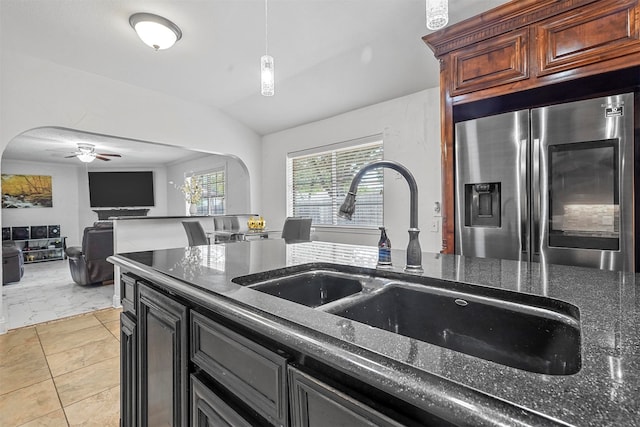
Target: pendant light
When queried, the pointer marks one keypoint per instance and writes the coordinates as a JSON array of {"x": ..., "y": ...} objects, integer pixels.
[
  {"x": 437, "y": 14},
  {"x": 155, "y": 31},
  {"x": 267, "y": 77}
]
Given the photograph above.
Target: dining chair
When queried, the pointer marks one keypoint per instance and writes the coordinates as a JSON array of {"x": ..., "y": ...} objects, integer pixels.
[
  {"x": 195, "y": 233},
  {"x": 296, "y": 230}
]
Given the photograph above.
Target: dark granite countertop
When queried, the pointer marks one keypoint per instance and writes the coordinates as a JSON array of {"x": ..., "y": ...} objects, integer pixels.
[{"x": 605, "y": 392}]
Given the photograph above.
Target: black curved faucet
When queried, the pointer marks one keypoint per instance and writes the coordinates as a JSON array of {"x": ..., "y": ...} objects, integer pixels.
[{"x": 414, "y": 253}]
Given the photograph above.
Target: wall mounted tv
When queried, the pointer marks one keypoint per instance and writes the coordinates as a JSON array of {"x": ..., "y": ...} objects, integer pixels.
[{"x": 121, "y": 189}]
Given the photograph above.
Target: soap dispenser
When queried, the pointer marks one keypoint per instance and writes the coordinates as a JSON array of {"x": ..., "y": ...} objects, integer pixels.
[{"x": 384, "y": 249}]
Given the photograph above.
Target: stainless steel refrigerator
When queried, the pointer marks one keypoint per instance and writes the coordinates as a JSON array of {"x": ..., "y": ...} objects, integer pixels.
[{"x": 551, "y": 184}]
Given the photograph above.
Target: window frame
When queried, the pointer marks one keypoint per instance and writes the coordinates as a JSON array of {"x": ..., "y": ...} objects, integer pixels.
[
  {"x": 211, "y": 171},
  {"x": 336, "y": 200}
]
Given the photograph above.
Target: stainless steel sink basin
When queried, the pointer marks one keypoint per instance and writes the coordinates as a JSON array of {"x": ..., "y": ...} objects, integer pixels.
[
  {"x": 310, "y": 288},
  {"x": 538, "y": 339}
]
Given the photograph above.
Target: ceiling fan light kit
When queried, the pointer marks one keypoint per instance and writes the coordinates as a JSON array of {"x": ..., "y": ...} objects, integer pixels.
[
  {"x": 86, "y": 157},
  {"x": 155, "y": 31},
  {"x": 86, "y": 153}
]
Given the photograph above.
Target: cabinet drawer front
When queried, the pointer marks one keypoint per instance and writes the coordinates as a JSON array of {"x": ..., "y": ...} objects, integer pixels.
[
  {"x": 497, "y": 61},
  {"x": 597, "y": 33},
  {"x": 207, "y": 409},
  {"x": 128, "y": 293},
  {"x": 251, "y": 372},
  {"x": 316, "y": 404}
]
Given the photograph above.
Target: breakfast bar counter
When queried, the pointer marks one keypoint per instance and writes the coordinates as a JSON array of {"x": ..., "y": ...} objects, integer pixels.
[{"x": 455, "y": 388}]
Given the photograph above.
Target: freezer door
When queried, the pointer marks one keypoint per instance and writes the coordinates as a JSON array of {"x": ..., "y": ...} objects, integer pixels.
[
  {"x": 491, "y": 180},
  {"x": 582, "y": 162}
]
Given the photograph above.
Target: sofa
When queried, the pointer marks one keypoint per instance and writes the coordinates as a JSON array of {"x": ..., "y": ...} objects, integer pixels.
[{"x": 88, "y": 263}]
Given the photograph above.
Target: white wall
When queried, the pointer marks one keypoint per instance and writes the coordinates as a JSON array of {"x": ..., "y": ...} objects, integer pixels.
[
  {"x": 37, "y": 93},
  {"x": 411, "y": 130},
  {"x": 71, "y": 209},
  {"x": 65, "y": 210},
  {"x": 237, "y": 183}
]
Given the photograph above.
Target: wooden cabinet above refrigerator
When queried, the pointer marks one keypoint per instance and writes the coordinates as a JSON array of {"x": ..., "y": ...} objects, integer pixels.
[{"x": 541, "y": 49}]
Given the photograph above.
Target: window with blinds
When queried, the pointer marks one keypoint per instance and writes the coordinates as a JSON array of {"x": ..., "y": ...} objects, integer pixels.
[
  {"x": 318, "y": 183},
  {"x": 212, "y": 185}
]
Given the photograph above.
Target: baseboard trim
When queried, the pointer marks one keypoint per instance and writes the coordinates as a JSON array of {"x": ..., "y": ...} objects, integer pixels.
[{"x": 116, "y": 301}]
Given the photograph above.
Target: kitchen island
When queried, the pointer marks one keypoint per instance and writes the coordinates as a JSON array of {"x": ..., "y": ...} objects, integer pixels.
[{"x": 369, "y": 371}]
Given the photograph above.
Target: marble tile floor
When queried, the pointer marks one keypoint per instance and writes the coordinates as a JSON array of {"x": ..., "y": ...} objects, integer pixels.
[
  {"x": 62, "y": 373},
  {"x": 47, "y": 292}
]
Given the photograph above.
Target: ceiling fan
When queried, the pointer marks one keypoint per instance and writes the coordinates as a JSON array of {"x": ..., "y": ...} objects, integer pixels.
[{"x": 86, "y": 153}]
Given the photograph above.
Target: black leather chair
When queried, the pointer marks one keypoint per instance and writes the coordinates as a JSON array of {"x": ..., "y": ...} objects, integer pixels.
[
  {"x": 12, "y": 262},
  {"x": 88, "y": 264},
  {"x": 296, "y": 230},
  {"x": 195, "y": 233}
]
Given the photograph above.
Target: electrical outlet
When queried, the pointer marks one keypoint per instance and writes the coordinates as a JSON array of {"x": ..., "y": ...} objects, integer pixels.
[{"x": 437, "y": 209}]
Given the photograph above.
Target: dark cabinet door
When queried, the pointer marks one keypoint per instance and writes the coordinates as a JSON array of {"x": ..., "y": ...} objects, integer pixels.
[
  {"x": 251, "y": 372},
  {"x": 162, "y": 360},
  {"x": 209, "y": 410},
  {"x": 316, "y": 404},
  {"x": 128, "y": 396}
]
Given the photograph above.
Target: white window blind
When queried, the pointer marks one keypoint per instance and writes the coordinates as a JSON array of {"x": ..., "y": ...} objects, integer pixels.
[
  {"x": 212, "y": 184},
  {"x": 318, "y": 183}
]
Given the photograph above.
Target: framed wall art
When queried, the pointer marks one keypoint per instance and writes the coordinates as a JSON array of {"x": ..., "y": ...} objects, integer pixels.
[{"x": 26, "y": 191}]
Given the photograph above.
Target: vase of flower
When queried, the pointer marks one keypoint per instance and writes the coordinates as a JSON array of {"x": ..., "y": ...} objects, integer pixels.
[{"x": 192, "y": 194}]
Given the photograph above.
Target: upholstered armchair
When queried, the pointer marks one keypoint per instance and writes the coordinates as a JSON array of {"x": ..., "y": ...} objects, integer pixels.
[
  {"x": 88, "y": 264},
  {"x": 12, "y": 262}
]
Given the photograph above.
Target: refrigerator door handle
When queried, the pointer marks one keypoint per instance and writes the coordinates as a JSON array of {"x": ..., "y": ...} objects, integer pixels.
[
  {"x": 522, "y": 196},
  {"x": 536, "y": 190}
]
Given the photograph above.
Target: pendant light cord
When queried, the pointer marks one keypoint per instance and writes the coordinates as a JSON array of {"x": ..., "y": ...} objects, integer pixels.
[{"x": 266, "y": 34}]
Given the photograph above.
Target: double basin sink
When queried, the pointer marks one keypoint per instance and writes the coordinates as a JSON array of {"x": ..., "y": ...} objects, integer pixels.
[{"x": 528, "y": 332}]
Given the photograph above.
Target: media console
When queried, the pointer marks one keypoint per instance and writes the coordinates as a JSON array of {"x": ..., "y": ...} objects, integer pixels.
[
  {"x": 42, "y": 249},
  {"x": 108, "y": 213}
]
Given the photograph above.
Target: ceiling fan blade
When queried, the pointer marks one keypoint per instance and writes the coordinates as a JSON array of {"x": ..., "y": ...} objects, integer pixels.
[
  {"x": 109, "y": 154},
  {"x": 103, "y": 158},
  {"x": 71, "y": 156}
]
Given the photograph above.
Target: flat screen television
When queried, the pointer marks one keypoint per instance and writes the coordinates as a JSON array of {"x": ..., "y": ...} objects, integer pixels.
[{"x": 121, "y": 189}]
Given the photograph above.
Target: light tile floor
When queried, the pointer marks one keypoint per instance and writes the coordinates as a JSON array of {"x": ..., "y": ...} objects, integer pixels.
[
  {"x": 47, "y": 292},
  {"x": 62, "y": 373}
]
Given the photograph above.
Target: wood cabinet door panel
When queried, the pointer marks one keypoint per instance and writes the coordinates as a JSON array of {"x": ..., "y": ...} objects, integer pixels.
[
  {"x": 595, "y": 34},
  {"x": 209, "y": 410},
  {"x": 162, "y": 360},
  {"x": 128, "y": 371},
  {"x": 497, "y": 61}
]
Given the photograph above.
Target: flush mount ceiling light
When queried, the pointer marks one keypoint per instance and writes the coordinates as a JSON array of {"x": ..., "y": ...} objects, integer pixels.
[
  {"x": 267, "y": 77},
  {"x": 437, "y": 14},
  {"x": 155, "y": 31}
]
